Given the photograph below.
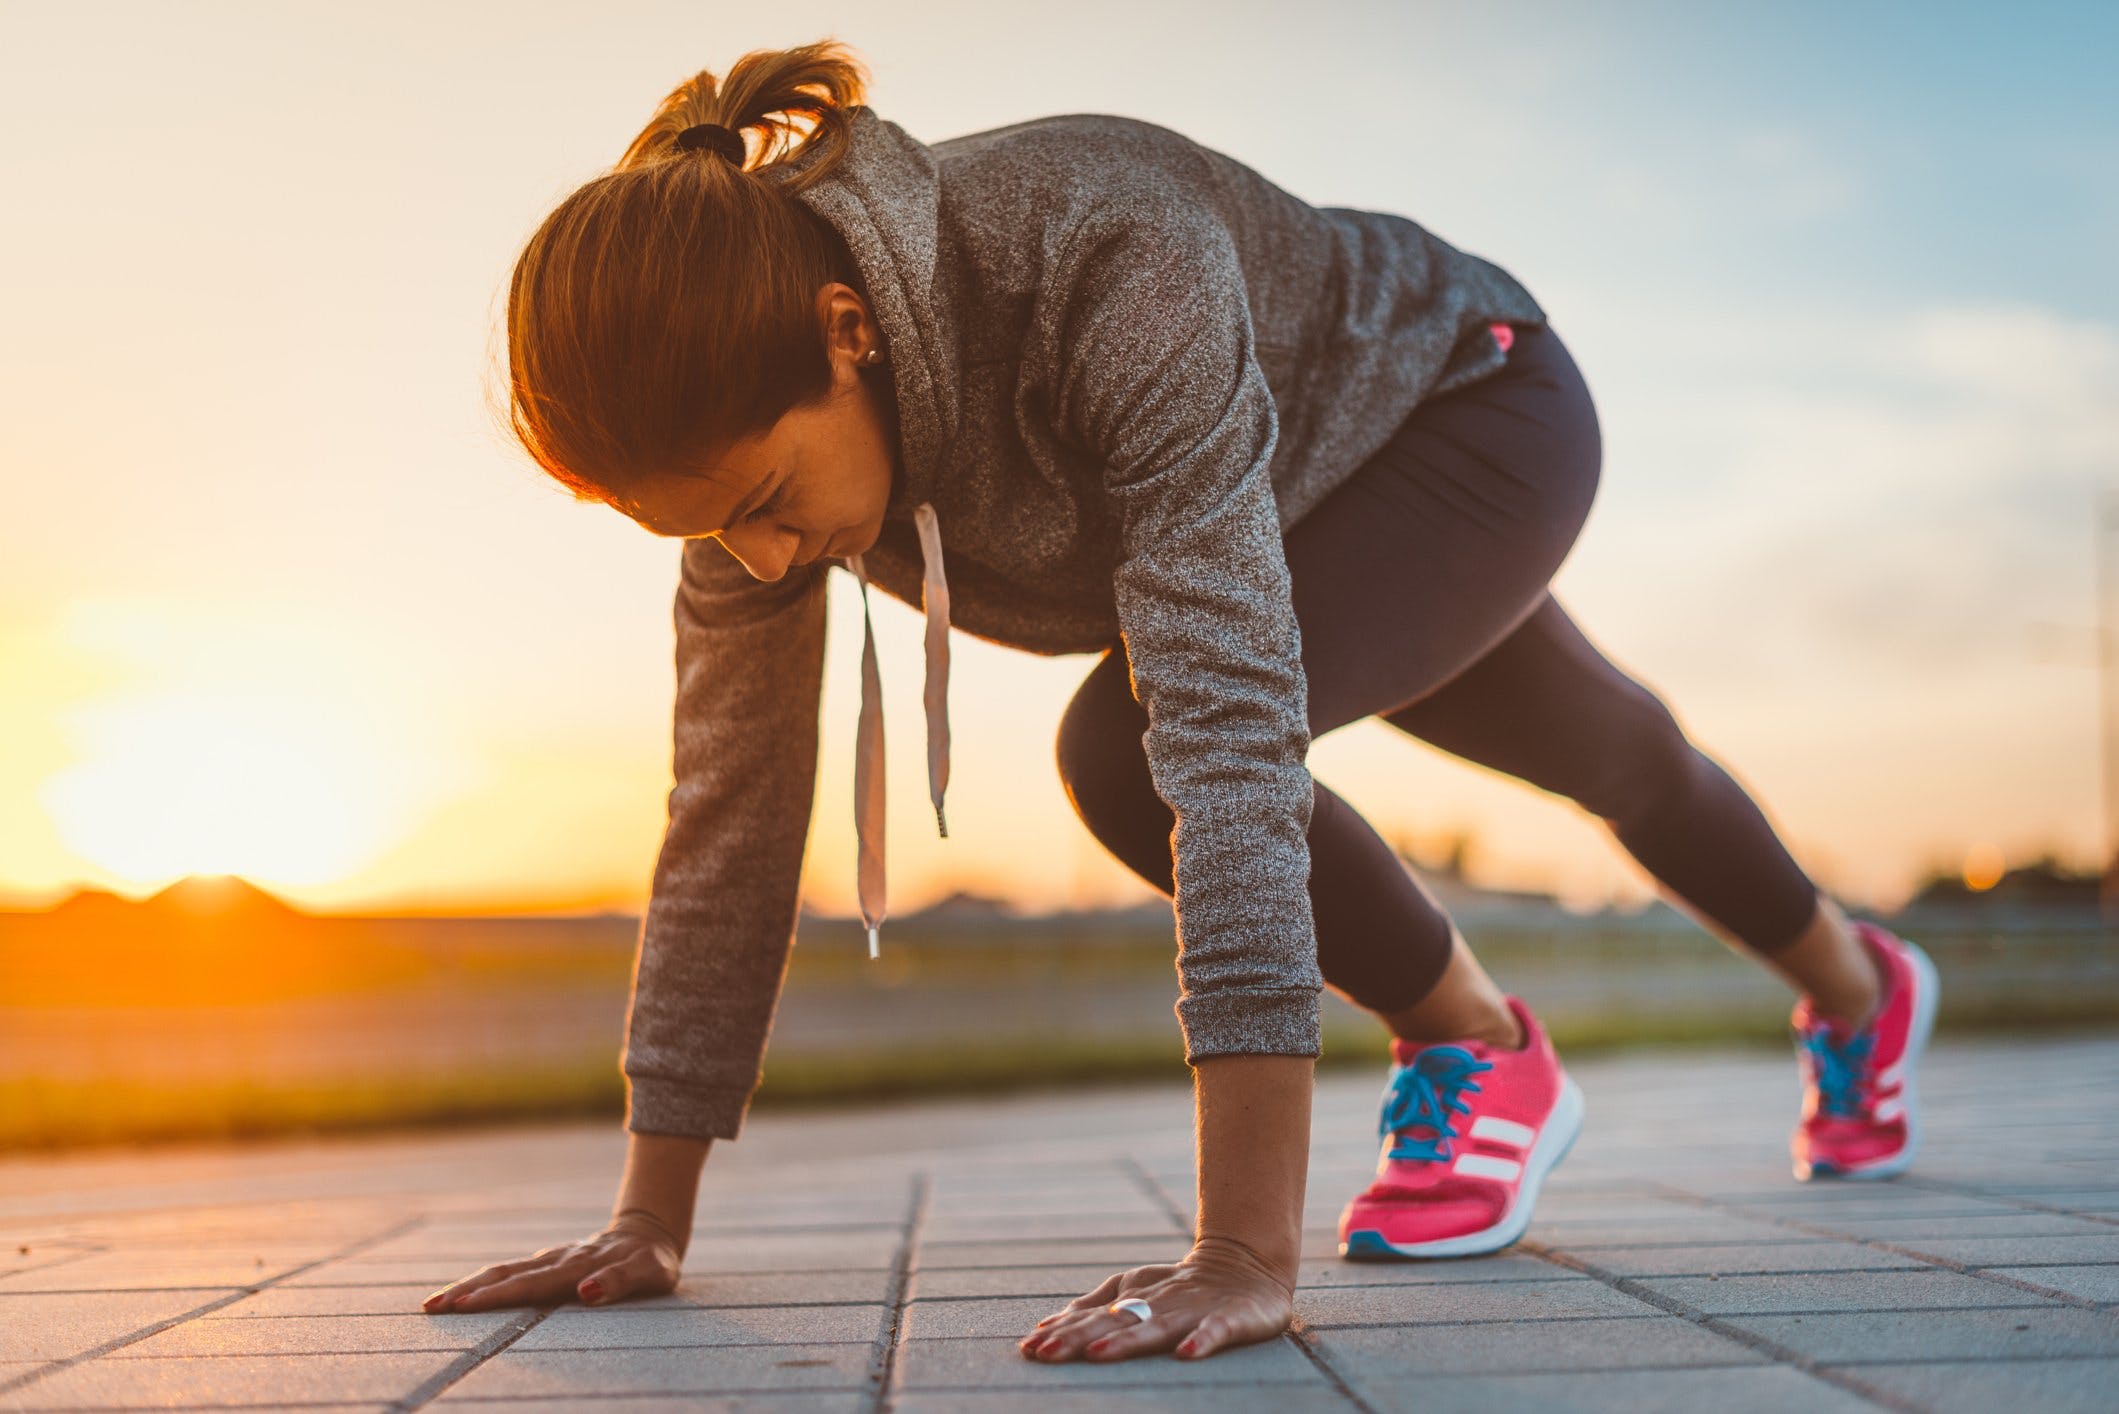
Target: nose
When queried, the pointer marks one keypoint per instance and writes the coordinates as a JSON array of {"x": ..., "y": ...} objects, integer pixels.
[{"x": 765, "y": 554}]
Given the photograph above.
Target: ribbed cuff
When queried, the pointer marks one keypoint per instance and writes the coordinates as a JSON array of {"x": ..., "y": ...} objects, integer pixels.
[
  {"x": 1270, "y": 1021},
  {"x": 666, "y": 1107}
]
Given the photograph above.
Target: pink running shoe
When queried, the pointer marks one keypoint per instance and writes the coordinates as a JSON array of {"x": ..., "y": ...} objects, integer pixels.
[
  {"x": 1445, "y": 1189},
  {"x": 1859, "y": 1110}
]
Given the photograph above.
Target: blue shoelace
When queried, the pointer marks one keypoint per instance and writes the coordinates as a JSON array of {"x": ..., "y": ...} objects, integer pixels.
[
  {"x": 1839, "y": 1069},
  {"x": 1424, "y": 1093}
]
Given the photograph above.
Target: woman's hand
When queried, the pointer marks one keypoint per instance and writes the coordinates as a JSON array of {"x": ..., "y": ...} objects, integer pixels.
[
  {"x": 634, "y": 1255},
  {"x": 1221, "y": 1294}
]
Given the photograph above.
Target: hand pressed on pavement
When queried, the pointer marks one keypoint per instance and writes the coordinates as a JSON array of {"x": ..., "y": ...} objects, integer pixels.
[
  {"x": 1220, "y": 1295},
  {"x": 633, "y": 1256}
]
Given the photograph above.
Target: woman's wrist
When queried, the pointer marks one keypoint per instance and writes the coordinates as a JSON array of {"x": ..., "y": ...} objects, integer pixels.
[
  {"x": 1253, "y": 1161},
  {"x": 661, "y": 1185},
  {"x": 1232, "y": 1254}
]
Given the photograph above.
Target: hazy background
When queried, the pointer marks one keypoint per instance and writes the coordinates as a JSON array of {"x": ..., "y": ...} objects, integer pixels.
[{"x": 275, "y": 599}]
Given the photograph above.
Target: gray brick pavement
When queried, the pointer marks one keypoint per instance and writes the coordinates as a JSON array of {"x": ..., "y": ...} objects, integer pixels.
[{"x": 889, "y": 1258}]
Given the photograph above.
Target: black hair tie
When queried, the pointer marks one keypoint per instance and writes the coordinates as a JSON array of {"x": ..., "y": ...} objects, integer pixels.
[{"x": 712, "y": 135}]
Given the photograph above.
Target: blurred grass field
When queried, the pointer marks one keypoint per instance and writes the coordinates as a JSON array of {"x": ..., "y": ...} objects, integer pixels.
[{"x": 292, "y": 1024}]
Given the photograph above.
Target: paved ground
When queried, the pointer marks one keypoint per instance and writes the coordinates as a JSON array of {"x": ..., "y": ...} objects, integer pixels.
[{"x": 890, "y": 1258}]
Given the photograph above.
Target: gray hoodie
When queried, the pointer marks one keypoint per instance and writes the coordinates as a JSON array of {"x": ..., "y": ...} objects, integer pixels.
[{"x": 1124, "y": 364}]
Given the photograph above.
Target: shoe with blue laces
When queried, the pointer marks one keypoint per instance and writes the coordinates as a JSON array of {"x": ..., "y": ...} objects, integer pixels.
[
  {"x": 1860, "y": 1116},
  {"x": 1469, "y": 1131}
]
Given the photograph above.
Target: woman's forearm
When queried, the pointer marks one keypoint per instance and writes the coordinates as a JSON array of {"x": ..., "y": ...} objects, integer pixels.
[
  {"x": 662, "y": 1181},
  {"x": 1254, "y": 1154}
]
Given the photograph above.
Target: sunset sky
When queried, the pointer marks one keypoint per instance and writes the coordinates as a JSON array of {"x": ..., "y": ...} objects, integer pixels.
[{"x": 277, "y": 599}]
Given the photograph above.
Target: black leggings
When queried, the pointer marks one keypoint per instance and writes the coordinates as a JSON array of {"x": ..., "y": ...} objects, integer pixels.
[{"x": 1420, "y": 585}]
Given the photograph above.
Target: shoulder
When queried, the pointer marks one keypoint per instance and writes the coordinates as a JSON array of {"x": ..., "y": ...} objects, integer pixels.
[{"x": 1075, "y": 139}]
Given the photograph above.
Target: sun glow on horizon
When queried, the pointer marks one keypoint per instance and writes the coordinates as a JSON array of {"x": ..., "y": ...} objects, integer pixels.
[
  {"x": 232, "y": 744},
  {"x": 221, "y": 782}
]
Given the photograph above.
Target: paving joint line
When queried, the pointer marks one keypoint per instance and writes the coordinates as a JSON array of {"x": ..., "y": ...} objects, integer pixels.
[
  {"x": 1771, "y": 1349},
  {"x": 1879, "y": 1244},
  {"x": 498, "y": 1340},
  {"x": 1152, "y": 1187},
  {"x": 883, "y": 1367},
  {"x": 1302, "y": 1336},
  {"x": 29, "y": 1377}
]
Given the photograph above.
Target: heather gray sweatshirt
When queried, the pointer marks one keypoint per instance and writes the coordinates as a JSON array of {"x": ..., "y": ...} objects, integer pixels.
[{"x": 1124, "y": 364}]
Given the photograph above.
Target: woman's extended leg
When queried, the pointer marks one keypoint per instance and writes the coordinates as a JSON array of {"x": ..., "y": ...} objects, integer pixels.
[{"x": 1547, "y": 707}]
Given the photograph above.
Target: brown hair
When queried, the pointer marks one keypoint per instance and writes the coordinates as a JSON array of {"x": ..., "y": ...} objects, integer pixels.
[{"x": 667, "y": 307}]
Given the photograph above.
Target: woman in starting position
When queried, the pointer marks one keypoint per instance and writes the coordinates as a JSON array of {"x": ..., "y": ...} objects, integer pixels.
[{"x": 1284, "y": 467}]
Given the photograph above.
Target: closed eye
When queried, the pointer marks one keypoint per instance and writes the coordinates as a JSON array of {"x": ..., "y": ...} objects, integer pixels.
[{"x": 768, "y": 505}]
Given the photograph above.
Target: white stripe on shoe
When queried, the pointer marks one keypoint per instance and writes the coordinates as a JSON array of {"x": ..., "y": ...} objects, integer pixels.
[
  {"x": 1481, "y": 1166},
  {"x": 1506, "y": 1131}
]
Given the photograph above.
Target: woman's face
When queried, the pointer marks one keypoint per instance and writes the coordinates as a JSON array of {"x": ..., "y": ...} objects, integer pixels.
[{"x": 815, "y": 485}]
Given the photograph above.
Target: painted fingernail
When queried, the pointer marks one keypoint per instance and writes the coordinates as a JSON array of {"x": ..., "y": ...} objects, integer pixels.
[
  {"x": 1098, "y": 1347},
  {"x": 1190, "y": 1347},
  {"x": 591, "y": 1290}
]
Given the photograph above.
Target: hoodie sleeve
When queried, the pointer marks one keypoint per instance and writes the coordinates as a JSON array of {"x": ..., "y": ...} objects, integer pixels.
[
  {"x": 721, "y": 917},
  {"x": 1158, "y": 379}
]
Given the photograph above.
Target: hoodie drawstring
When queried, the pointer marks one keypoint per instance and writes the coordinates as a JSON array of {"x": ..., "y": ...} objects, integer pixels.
[{"x": 868, "y": 745}]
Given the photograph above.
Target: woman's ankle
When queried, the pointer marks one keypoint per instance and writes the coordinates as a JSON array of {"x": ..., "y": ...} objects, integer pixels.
[
  {"x": 1463, "y": 1005},
  {"x": 1845, "y": 979},
  {"x": 1426, "y": 1025}
]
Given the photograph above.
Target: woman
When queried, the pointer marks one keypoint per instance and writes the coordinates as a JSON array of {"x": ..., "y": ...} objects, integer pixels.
[{"x": 1285, "y": 467}]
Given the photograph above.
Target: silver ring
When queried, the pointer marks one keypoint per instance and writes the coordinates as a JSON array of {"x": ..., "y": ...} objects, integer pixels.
[{"x": 1132, "y": 1306}]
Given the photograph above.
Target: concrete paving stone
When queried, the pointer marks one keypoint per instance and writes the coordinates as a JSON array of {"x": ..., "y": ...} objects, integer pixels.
[
  {"x": 1382, "y": 1359},
  {"x": 1745, "y": 1260},
  {"x": 2021, "y": 1333},
  {"x": 2099, "y": 1283},
  {"x": 1061, "y": 1284},
  {"x": 2080, "y": 1200},
  {"x": 320, "y": 1335},
  {"x": 1445, "y": 1271},
  {"x": 1121, "y": 1252},
  {"x": 1310, "y": 1397},
  {"x": 695, "y": 1288},
  {"x": 795, "y": 1252},
  {"x": 56, "y": 1327},
  {"x": 947, "y": 1227},
  {"x": 1743, "y": 1389},
  {"x": 381, "y": 1300},
  {"x": 1558, "y": 1217},
  {"x": 431, "y": 1272},
  {"x": 705, "y": 1287},
  {"x": 1421, "y": 1305},
  {"x": 1920, "y": 1289},
  {"x": 1968, "y": 1387},
  {"x": 1675, "y": 1232},
  {"x": 699, "y": 1369},
  {"x": 1857, "y": 1219},
  {"x": 996, "y": 1363},
  {"x": 2015, "y": 1251},
  {"x": 1010, "y": 1316},
  {"x": 234, "y": 1379},
  {"x": 109, "y": 1271},
  {"x": 767, "y": 1402},
  {"x": 2009, "y": 1225},
  {"x": 579, "y": 1328}
]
